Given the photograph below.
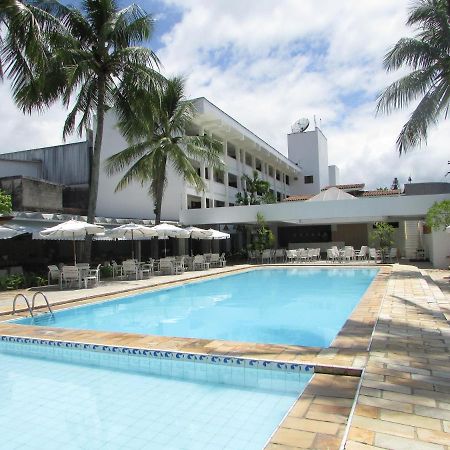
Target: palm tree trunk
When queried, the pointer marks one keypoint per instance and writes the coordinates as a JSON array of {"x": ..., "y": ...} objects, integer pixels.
[
  {"x": 159, "y": 190},
  {"x": 95, "y": 163}
]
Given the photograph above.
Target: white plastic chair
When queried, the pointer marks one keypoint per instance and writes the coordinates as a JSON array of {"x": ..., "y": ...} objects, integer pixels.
[
  {"x": 373, "y": 254},
  {"x": 93, "y": 276},
  {"x": 266, "y": 256},
  {"x": 199, "y": 263},
  {"x": 291, "y": 256},
  {"x": 70, "y": 275},
  {"x": 302, "y": 255},
  {"x": 362, "y": 253},
  {"x": 129, "y": 267},
  {"x": 393, "y": 254},
  {"x": 280, "y": 255},
  {"x": 53, "y": 274},
  {"x": 223, "y": 261}
]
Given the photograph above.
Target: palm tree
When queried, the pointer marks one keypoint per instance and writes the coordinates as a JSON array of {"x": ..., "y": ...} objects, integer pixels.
[
  {"x": 256, "y": 191},
  {"x": 156, "y": 129},
  {"x": 428, "y": 55},
  {"x": 96, "y": 64}
]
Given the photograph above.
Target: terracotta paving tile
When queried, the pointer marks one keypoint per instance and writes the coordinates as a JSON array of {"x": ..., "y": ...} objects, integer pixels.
[
  {"x": 384, "y": 403},
  {"x": 352, "y": 445},
  {"x": 325, "y": 441},
  {"x": 410, "y": 419},
  {"x": 438, "y": 437},
  {"x": 294, "y": 438},
  {"x": 381, "y": 426},
  {"x": 314, "y": 426},
  {"x": 398, "y": 443},
  {"x": 361, "y": 435}
]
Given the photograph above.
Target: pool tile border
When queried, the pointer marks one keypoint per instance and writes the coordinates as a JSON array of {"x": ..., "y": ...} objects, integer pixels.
[{"x": 162, "y": 354}]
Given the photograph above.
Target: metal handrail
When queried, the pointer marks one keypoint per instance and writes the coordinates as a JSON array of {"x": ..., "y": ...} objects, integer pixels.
[
  {"x": 45, "y": 298},
  {"x": 27, "y": 302}
]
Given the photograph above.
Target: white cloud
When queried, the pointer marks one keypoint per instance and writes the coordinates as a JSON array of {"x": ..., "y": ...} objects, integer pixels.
[{"x": 268, "y": 63}]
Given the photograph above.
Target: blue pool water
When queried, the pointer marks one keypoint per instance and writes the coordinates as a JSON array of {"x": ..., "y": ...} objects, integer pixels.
[
  {"x": 298, "y": 306},
  {"x": 58, "y": 398}
]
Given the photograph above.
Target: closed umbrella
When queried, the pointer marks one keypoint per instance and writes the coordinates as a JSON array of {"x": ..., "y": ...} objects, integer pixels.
[
  {"x": 166, "y": 230},
  {"x": 72, "y": 229},
  {"x": 132, "y": 231}
]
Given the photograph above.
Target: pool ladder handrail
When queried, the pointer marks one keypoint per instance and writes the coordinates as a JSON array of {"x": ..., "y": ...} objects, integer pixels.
[{"x": 32, "y": 307}]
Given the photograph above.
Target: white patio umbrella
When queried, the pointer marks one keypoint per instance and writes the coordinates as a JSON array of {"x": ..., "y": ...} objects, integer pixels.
[
  {"x": 197, "y": 233},
  {"x": 72, "y": 229},
  {"x": 166, "y": 230},
  {"x": 216, "y": 234},
  {"x": 132, "y": 231}
]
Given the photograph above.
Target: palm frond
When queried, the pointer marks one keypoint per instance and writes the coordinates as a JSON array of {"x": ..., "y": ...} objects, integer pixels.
[
  {"x": 412, "y": 52},
  {"x": 430, "y": 108},
  {"x": 117, "y": 162}
]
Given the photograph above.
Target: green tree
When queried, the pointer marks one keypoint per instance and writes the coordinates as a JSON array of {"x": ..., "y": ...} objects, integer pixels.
[
  {"x": 264, "y": 237},
  {"x": 438, "y": 216},
  {"x": 427, "y": 54},
  {"x": 382, "y": 235},
  {"x": 156, "y": 130},
  {"x": 5, "y": 203},
  {"x": 256, "y": 191},
  {"x": 96, "y": 63}
]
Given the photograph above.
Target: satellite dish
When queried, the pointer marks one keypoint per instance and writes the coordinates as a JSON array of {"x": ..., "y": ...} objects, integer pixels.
[{"x": 300, "y": 125}]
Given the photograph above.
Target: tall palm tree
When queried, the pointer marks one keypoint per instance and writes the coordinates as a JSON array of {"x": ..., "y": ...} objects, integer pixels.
[
  {"x": 156, "y": 129},
  {"x": 96, "y": 63},
  {"x": 428, "y": 55}
]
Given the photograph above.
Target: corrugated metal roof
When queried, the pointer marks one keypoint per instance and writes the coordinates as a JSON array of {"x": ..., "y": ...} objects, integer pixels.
[{"x": 297, "y": 198}]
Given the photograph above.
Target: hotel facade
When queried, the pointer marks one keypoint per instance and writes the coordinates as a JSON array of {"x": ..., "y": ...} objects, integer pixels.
[{"x": 312, "y": 210}]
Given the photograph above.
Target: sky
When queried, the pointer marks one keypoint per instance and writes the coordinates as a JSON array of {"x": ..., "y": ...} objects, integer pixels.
[{"x": 268, "y": 63}]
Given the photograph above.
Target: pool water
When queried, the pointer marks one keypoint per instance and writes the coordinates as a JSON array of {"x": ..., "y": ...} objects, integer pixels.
[
  {"x": 298, "y": 306},
  {"x": 58, "y": 398}
]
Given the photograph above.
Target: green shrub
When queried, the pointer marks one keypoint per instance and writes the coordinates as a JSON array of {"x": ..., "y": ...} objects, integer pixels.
[{"x": 106, "y": 272}]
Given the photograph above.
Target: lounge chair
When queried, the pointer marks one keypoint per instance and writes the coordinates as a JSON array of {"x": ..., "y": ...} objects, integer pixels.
[
  {"x": 280, "y": 255},
  {"x": 302, "y": 254}
]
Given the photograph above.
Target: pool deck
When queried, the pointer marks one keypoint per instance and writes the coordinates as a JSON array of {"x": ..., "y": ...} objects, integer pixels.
[{"x": 383, "y": 383}]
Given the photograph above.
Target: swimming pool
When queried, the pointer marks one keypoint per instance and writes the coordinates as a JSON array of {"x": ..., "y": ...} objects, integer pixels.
[
  {"x": 298, "y": 306},
  {"x": 56, "y": 397}
]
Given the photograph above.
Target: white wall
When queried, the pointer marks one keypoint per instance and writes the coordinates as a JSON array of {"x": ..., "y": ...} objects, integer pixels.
[
  {"x": 333, "y": 175},
  {"x": 310, "y": 151},
  {"x": 133, "y": 201},
  {"x": 360, "y": 210},
  {"x": 438, "y": 243}
]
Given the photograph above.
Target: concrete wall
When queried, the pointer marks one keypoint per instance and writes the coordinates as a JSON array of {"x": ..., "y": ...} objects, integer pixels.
[
  {"x": 33, "y": 195},
  {"x": 333, "y": 175},
  {"x": 11, "y": 168}
]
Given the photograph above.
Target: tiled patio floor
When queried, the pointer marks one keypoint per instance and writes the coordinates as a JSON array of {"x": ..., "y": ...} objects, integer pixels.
[{"x": 404, "y": 397}]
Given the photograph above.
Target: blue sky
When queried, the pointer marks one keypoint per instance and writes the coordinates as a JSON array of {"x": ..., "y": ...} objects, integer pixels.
[{"x": 269, "y": 63}]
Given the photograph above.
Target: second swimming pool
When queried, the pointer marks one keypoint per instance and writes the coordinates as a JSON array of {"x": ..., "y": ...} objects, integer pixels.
[{"x": 298, "y": 306}]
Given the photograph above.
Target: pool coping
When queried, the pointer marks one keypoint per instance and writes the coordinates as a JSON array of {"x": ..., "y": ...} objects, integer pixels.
[{"x": 326, "y": 401}]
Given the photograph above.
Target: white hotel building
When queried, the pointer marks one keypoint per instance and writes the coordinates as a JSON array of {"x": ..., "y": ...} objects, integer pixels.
[{"x": 50, "y": 184}]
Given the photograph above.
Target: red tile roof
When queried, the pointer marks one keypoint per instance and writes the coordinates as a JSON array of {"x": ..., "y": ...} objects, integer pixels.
[
  {"x": 356, "y": 186},
  {"x": 297, "y": 198},
  {"x": 381, "y": 193}
]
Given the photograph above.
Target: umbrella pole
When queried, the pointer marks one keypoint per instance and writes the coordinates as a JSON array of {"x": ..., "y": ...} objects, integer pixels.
[
  {"x": 165, "y": 248},
  {"x": 132, "y": 245},
  {"x": 74, "y": 250}
]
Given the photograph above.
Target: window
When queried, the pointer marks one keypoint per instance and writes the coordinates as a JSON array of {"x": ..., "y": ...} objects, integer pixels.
[
  {"x": 278, "y": 196},
  {"x": 248, "y": 159},
  {"x": 278, "y": 175},
  {"x": 197, "y": 169},
  {"x": 231, "y": 150},
  {"x": 206, "y": 174},
  {"x": 218, "y": 176},
  {"x": 309, "y": 179},
  {"x": 219, "y": 204},
  {"x": 258, "y": 164},
  {"x": 270, "y": 171},
  {"x": 232, "y": 180},
  {"x": 287, "y": 180},
  {"x": 208, "y": 203},
  {"x": 230, "y": 204}
]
